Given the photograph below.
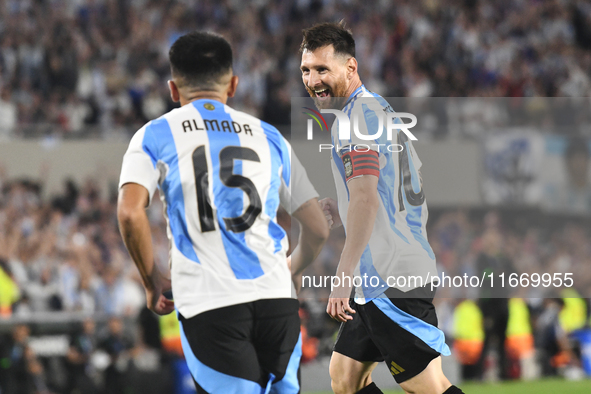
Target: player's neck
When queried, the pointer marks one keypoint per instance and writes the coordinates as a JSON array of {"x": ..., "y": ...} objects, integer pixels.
[
  {"x": 208, "y": 95},
  {"x": 355, "y": 84}
]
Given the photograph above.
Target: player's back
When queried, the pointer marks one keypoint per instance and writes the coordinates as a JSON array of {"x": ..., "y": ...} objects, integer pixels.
[{"x": 221, "y": 173}]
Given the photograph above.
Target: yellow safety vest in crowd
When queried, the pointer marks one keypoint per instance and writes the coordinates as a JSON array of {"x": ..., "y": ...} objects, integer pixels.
[
  {"x": 519, "y": 340},
  {"x": 170, "y": 333},
  {"x": 574, "y": 314},
  {"x": 468, "y": 332},
  {"x": 9, "y": 294}
]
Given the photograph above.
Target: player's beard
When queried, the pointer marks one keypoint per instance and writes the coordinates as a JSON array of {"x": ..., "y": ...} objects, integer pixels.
[{"x": 338, "y": 96}]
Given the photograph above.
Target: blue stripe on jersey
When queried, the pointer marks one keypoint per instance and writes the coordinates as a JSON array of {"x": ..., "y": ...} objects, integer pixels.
[
  {"x": 428, "y": 333},
  {"x": 159, "y": 144},
  {"x": 229, "y": 202},
  {"x": 279, "y": 157},
  {"x": 339, "y": 163},
  {"x": 366, "y": 267},
  {"x": 212, "y": 381},
  {"x": 353, "y": 95},
  {"x": 413, "y": 213},
  {"x": 386, "y": 190},
  {"x": 371, "y": 121},
  {"x": 290, "y": 383},
  {"x": 351, "y": 105},
  {"x": 387, "y": 180}
]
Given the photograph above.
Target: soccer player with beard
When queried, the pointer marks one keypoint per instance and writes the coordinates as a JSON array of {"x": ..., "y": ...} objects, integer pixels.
[{"x": 382, "y": 205}]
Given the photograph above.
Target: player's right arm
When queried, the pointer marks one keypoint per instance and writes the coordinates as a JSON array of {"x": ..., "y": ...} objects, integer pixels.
[
  {"x": 138, "y": 182},
  {"x": 135, "y": 230}
]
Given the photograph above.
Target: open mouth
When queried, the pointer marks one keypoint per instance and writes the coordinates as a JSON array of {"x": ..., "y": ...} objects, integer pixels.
[{"x": 322, "y": 93}]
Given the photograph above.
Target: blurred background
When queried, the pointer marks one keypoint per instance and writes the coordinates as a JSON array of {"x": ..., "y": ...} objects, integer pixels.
[{"x": 79, "y": 77}]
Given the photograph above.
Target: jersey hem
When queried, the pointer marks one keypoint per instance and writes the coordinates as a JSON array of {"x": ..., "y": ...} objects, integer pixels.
[{"x": 189, "y": 311}]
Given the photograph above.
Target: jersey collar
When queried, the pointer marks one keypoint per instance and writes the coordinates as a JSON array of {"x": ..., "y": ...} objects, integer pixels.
[{"x": 356, "y": 93}]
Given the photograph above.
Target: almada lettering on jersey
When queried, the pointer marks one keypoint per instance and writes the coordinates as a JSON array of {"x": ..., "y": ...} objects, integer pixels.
[
  {"x": 215, "y": 125},
  {"x": 383, "y": 120}
]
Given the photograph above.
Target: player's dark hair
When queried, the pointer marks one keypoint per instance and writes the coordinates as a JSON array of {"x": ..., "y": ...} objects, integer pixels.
[
  {"x": 200, "y": 59},
  {"x": 329, "y": 33}
]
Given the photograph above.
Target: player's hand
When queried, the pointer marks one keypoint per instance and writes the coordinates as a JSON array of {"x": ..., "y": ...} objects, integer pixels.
[
  {"x": 331, "y": 212},
  {"x": 157, "y": 302},
  {"x": 340, "y": 309}
]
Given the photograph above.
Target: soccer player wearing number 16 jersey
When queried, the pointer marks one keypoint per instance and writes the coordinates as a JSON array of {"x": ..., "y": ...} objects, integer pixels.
[
  {"x": 222, "y": 175},
  {"x": 382, "y": 206}
]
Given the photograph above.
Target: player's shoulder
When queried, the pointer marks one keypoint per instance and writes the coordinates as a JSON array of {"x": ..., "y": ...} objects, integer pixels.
[
  {"x": 155, "y": 124},
  {"x": 140, "y": 133},
  {"x": 237, "y": 114},
  {"x": 271, "y": 132},
  {"x": 368, "y": 101},
  {"x": 179, "y": 112}
]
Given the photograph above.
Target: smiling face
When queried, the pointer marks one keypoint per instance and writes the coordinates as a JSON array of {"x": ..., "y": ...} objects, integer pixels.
[{"x": 326, "y": 76}]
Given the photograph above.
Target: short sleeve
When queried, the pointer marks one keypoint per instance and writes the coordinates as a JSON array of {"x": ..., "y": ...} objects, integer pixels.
[
  {"x": 296, "y": 188},
  {"x": 139, "y": 162}
]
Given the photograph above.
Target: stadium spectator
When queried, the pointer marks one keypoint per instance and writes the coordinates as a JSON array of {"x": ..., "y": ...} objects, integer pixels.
[
  {"x": 103, "y": 65},
  {"x": 117, "y": 343},
  {"x": 82, "y": 345},
  {"x": 22, "y": 373}
]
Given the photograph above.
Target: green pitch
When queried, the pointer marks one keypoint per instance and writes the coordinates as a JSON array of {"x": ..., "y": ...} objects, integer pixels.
[{"x": 546, "y": 386}]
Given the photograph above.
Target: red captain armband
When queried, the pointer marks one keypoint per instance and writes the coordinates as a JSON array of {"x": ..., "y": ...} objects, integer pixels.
[{"x": 361, "y": 163}]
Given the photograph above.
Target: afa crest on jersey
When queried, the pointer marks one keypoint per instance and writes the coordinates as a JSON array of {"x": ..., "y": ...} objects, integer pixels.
[{"x": 348, "y": 165}]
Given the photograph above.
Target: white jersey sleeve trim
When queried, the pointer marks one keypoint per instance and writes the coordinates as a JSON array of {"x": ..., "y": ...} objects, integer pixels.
[
  {"x": 138, "y": 167},
  {"x": 300, "y": 189}
]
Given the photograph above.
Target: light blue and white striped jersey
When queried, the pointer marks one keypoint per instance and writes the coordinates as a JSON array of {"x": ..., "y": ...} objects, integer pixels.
[
  {"x": 222, "y": 175},
  {"x": 398, "y": 246}
]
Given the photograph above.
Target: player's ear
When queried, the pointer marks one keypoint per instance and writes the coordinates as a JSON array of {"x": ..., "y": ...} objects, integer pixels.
[
  {"x": 174, "y": 91},
  {"x": 232, "y": 86},
  {"x": 351, "y": 67}
]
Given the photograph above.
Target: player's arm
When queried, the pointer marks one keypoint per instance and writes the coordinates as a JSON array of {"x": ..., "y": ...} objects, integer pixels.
[
  {"x": 300, "y": 200},
  {"x": 135, "y": 230},
  {"x": 361, "y": 215},
  {"x": 362, "y": 175},
  {"x": 313, "y": 234}
]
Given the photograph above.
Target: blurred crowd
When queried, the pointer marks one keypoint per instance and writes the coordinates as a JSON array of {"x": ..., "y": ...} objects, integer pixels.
[
  {"x": 66, "y": 254},
  {"x": 74, "y": 67}
]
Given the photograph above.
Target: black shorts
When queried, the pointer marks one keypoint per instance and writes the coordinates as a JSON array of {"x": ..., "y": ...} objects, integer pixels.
[
  {"x": 401, "y": 331},
  {"x": 244, "y": 348}
]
